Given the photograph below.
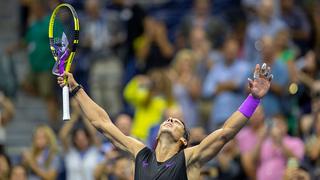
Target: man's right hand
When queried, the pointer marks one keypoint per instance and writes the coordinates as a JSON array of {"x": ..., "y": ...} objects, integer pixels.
[{"x": 70, "y": 80}]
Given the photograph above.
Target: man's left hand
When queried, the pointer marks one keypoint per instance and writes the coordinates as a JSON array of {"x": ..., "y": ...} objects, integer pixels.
[{"x": 260, "y": 85}]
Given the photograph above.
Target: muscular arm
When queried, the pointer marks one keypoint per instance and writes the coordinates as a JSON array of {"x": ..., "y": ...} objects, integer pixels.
[
  {"x": 101, "y": 121},
  {"x": 8, "y": 110},
  {"x": 212, "y": 144}
]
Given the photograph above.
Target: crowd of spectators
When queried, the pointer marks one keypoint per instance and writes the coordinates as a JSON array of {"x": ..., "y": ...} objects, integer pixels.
[{"x": 144, "y": 61}]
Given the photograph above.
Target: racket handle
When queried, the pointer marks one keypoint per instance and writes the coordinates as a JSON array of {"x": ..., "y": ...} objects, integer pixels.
[{"x": 65, "y": 101}]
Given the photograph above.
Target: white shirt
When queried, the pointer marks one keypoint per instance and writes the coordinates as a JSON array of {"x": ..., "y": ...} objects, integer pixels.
[{"x": 81, "y": 167}]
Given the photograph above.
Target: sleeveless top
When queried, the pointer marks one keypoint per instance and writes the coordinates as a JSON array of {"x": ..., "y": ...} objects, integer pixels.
[{"x": 147, "y": 167}]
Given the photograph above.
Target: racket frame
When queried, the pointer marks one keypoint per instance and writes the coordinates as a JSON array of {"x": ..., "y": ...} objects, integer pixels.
[{"x": 65, "y": 89}]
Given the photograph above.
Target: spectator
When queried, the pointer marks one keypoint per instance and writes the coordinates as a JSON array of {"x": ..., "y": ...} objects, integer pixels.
[
  {"x": 293, "y": 173},
  {"x": 201, "y": 17},
  {"x": 201, "y": 48},
  {"x": 249, "y": 142},
  {"x": 5, "y": 166},
  {"x": 285, "y": 53},
  {"x": 100, "y": 36},
  {"x": 226, "y": 165},
  {"x": 124, "y": 123},
  {"x": 80, "y": 147},
  {"x": 150, "y": 96},
  {"x": 6, "y": 114},
  {"x": 112, "y": 153},
  {"x": 273, "y": 100},
  {"x": 266, "y": 24},
  {"x": 197, "y": 134},
  {"x": 298, "y": 24},
  {"x": 250, "y": 7},
  {"x": 221, "y": 84},
  {"x": 42, "y": 159},
  {"x": 186, "y": 85},
  {"x": 308, "y": 67},
  {"x": 153, "y": 48},
  {"x": 312, "y": 136},
  {"x": 276, "y": 149},
  {"x": 118, "y": 168},
  {"x": 18, "y": 172},
  {"x": 94, "y": 42},
  {"x": 40, "y": 80},
  {"x": 123, "y": 169},
  {"x": 313, "y": 149},
  {"x": 127, "y": 18}
]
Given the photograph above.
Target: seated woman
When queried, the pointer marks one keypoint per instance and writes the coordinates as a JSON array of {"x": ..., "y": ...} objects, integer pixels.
[{"x": 42, "y": 159}]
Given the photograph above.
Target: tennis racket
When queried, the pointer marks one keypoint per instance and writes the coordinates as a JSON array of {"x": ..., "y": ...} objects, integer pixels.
[{"x": 64, "y": 39}]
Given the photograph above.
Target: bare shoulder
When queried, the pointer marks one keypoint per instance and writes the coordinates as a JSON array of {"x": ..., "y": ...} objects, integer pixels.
[{"x": 137, "y": 146}]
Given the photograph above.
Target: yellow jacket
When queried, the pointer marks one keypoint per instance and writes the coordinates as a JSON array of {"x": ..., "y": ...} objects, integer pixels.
[{"x": 145, "y": 116}]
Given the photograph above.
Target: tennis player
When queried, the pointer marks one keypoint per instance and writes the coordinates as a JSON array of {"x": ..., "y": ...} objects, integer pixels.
[{"x": 171, "y": 159}]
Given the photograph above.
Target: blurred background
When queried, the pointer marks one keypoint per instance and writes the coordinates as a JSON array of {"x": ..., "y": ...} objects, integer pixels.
[{"x": 146, "y": 60}]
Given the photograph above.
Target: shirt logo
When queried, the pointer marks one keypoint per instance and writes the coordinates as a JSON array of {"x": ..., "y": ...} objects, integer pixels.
[
  {"x": 170, "y": 164},
  {"x": 145, "y": 164}
]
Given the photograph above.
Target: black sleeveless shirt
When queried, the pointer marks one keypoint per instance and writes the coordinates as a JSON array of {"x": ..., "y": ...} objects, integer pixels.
[{"x": 147, "y": 167}]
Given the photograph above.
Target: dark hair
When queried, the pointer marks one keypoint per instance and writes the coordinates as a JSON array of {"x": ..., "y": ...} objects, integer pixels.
[
  {"x": 76, "y": 130},
  {"x": 186, "y": 134}
]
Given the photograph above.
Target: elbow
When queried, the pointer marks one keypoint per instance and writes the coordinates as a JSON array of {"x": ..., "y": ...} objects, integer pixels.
[
  {"x": 99, "y": 119},
  {"x": 100, "y": 123}
]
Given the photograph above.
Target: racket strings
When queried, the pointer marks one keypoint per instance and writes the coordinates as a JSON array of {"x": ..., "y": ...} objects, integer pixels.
[
  {"x": 63, "y": 29},
  {"x": 63, "y": 39}
]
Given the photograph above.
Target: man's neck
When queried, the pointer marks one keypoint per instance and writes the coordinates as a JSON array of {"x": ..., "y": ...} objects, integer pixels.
[{"x": 166, "y": 148}]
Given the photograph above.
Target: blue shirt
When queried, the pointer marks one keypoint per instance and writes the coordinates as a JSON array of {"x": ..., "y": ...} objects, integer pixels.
[
  {"x": 255, "y": 31},
  {"x": 188, "y": 105},
  {"x": 271, "y": 101},
  {"x": 225, "y": 103}
]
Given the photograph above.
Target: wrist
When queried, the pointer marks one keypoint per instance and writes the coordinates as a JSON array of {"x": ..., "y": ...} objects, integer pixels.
[
  {"x": 75, "y": 90},
  {"x": 72, "y": 87},
  {"x": 249, "y": 106}
]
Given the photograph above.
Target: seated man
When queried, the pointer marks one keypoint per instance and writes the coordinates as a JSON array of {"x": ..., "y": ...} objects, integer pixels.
[{"x": 171, "y": 159}]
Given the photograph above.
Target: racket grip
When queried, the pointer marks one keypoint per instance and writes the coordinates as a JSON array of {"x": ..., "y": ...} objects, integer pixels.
[{"x": 65, "y": 101}]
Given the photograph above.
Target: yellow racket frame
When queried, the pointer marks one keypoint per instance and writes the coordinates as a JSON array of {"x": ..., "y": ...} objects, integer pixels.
[{"x": 76, "y": 35}]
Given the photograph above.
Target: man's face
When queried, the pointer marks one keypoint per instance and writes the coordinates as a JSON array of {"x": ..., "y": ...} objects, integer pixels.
[
  {"x": 202, "y": 7},
  {"x": 231, "y": 49},
  {"x": 280, "y": 124},
  {"x": 267, "y": 51},
  {"x": 81, "y": 140},
  {"x": 174, "y": 127},
  {"x": 123, "y": 122},
  {"x": 40, "y": 139},
  {"x": 266, "y": 9},
  {"x": 287, "y": 4}
]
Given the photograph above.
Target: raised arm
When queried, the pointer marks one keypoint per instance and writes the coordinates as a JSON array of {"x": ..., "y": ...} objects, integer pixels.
[
  {"x": 8, "y": 109},
  {"x": 64, "y": 133},
  {"x": 100, "y": 119},
  {"x": 213, "y": 143}
]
